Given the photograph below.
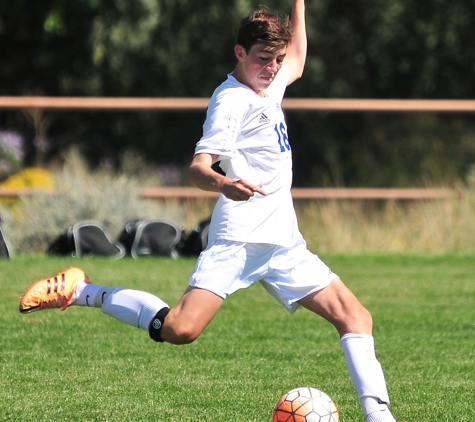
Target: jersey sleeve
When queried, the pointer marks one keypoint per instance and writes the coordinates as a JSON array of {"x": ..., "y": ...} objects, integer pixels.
[{"x": 222, "y": 126}]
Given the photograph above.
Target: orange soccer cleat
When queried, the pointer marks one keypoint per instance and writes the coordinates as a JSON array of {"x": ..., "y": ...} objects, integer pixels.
[{"x": 54, "y": 292}]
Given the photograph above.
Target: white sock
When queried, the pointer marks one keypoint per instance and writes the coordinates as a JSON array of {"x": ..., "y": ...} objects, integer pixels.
[
  {"x": 133, "y": 307},
  {"x": 367, "y": 376},
  {"x": 88, "y": 294},
  {"x": 376, "y": 411}
]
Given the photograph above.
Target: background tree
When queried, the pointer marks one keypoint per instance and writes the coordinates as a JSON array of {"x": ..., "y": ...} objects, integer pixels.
[{"x": 161, "y": 48}]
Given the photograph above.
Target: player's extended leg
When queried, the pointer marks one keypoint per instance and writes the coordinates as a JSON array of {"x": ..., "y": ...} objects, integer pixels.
[
  {"x": 179, "y": 325},
  {"x": 137, "y": 308},
  {"x": 337, "y": 304}
]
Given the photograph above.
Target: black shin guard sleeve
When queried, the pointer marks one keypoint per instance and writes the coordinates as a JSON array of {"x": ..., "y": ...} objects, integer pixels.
[{"x": 155, "y": 327}]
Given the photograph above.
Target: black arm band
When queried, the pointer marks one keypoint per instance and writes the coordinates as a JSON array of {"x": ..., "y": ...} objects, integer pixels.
[{"x": 156, "y": 325}]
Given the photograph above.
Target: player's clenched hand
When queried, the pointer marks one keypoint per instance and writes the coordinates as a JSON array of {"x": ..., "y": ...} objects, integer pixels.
[{"x": 240, "y": 190}]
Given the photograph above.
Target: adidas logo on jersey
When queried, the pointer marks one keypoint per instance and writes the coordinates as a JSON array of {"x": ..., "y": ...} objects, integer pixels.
[{"x": 263, "y": 119}]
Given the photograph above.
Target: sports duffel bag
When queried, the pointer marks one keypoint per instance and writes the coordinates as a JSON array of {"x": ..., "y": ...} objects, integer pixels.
[
  {"x": 197, "y": 240},
  {"x": 148, "y": 237},
  {"x": 86, "y": 238},
  {"x": 4, "y": 247}
]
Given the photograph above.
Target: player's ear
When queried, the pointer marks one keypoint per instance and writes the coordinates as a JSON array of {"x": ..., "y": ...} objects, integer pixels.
[{"x": 240, "y": 52}]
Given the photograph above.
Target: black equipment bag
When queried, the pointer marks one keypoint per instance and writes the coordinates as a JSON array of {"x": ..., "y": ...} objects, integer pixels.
[
  {"x": 149, "y": 237},
  {"x": 197, "y": 239},
  {"x": 84, "y": 239},
  {"x": 4, "y": 248}
]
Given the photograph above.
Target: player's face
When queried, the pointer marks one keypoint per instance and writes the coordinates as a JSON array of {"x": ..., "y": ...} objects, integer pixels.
[{"x": 259, "y": 68}]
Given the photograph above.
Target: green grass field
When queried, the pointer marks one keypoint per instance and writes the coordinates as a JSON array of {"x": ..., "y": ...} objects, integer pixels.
[{"x": 81, "y": 365}]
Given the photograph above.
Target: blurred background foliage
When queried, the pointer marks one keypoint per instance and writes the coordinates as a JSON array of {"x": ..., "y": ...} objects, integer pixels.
[{"x": 184, "y": 48}]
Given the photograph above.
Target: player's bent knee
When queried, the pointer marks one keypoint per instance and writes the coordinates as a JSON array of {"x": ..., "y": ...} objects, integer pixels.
[
  {"x": 165, "y": 327},
  {"x": 366, "y": 319},
  {"x": 182, "y": 338},
  {"x": 356, "y": 320},
  {"x": 359, "y": 321},
  {"x": 181, "y": 334}
]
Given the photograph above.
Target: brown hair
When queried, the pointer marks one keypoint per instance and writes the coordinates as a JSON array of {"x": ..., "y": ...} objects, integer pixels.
[{"x": 266, "y": 27}]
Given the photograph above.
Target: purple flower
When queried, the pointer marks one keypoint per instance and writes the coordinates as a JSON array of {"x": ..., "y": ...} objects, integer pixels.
[{"x": 12, "y": 152}]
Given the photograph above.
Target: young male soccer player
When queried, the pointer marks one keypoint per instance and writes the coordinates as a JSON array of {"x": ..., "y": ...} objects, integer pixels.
[{"x": 253, "y": 234}]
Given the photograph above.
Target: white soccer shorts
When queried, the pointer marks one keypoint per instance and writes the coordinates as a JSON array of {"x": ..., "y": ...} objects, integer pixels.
[{"x": 288, "y": 274}]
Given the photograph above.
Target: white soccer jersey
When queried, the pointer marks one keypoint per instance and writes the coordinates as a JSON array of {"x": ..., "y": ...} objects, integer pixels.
[{"x": 249, "y": 134}]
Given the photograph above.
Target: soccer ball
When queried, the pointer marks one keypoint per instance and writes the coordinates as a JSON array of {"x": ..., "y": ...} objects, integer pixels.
[{"x": 306, "y": 404}]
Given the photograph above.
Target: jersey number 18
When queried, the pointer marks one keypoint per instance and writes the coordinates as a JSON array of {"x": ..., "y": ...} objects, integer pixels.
[{"x": 282, "y": 137}]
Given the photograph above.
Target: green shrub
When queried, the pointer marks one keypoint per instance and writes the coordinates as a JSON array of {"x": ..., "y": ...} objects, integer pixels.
[
  {"x": 437, "y": 226},
  {"x": 79, "y": 194}
]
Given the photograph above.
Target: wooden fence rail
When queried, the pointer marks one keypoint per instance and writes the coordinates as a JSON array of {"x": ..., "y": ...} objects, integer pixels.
[
  {"x": 197, "y": 104},
  {"x": 410, "y": 194},
  {"x": 180, "y": 193}
]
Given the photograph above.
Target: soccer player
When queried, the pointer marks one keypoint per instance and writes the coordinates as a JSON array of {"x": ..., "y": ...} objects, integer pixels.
[{"x": 253, "y": 234}]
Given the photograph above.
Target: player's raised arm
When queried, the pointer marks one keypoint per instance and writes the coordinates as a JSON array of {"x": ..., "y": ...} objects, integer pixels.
[{"x": 297, "y": 50}]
